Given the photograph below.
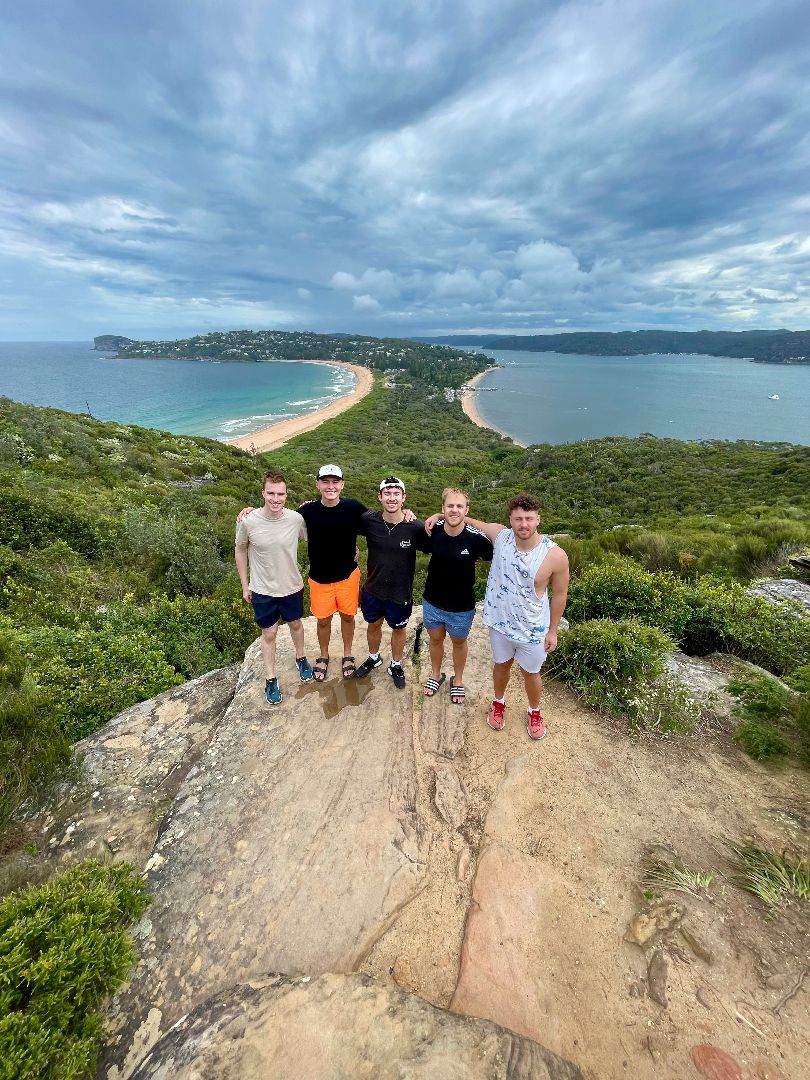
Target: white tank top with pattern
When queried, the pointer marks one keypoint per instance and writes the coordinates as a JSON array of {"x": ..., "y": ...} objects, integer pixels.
[{"x": 511, "y": 606}]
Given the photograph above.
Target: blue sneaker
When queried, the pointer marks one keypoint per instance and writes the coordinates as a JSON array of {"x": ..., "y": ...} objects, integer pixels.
[
  {"x": 304, "y": 668},
  {"x": 272, "y": 692}
]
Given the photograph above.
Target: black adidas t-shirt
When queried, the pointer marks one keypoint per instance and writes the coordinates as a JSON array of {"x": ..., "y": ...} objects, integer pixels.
[
  {"x": 332, "y": 538},
  {"x": 450, "y": 581}
]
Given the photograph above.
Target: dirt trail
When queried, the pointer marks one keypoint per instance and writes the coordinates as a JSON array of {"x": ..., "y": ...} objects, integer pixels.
[{"x": 529, "y": 898}]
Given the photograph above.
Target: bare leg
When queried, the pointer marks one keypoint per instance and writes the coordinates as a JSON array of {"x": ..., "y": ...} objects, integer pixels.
[
  {"x": 398, "y": 644},
  {"x": 324, "y": 635},
  {"x": 437, "y": 650},
  {"x": 297, "y": 635},
  {"x": 269, "y": 634},
  {"x": 374, "y": 635},
  {"x": 459, "y": 661},
  {"x": 534, "y": 686},
  {"x": 347, "y": 632},
  {"x": 500, "y": 678}
]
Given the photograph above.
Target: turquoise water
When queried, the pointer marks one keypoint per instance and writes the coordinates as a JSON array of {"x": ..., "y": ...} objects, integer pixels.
[
  {"x": 222, "y": 401},
  {"x": 556, "y": 398}
]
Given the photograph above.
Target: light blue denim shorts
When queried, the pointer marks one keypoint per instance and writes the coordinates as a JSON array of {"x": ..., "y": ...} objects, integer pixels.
[{"x": 457, "y": 623}]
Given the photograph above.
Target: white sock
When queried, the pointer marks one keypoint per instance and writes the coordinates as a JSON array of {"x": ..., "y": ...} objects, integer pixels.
[
  {"x": 395, "y": 663},
  {"x": 500, "y": 700},
  {"x": 374, "y": 655}
]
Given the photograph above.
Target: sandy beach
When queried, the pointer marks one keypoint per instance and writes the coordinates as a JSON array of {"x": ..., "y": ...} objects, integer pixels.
[
  {"x": 276, "y": 435},
  {"x": 470, "y": 410}
]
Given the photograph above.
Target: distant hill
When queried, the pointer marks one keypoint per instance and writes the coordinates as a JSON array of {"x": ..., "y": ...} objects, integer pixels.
[
  {"x": 109, "y": 342},
  {"x": 764, "y": 346}
]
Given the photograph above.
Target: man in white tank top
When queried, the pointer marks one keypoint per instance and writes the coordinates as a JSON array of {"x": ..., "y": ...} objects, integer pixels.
[{"x": 522, "y": 623}]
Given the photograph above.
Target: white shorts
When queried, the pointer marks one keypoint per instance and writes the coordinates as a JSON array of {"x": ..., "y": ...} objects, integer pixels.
[{"x": 530, "y": 657}]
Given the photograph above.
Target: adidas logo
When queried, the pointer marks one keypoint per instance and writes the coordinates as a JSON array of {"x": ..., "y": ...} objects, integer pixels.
[{"x": 464, "y": 552}]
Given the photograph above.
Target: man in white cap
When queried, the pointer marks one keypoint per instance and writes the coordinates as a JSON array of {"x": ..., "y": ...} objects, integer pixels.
[{"x": 333, "y": 524}]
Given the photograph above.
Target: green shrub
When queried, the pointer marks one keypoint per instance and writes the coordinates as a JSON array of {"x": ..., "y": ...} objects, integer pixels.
[
  {"x": 761, "y": 739},
  {"x": 32, "y": 746},
  {"x": 174, "y": 548},
  {"x": 63, "y": 947},
  {"x": 723, "y": 617},
  {"x": 27, "y": 521},
  {"x": 620, "y": 589},
  {"x": 774, "y": 722},
  {"x": 799, "y": 679},
  {"x": 88, "y": 676},
  {"x": 607, "y": 662}
]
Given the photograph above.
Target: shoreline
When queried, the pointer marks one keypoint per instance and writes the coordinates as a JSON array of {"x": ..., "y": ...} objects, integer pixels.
[
  {"x": 276, "y": 435},
  {"x": 471, "y": 411}
]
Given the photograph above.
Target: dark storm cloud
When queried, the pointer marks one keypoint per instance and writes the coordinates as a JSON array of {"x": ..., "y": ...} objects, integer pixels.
[{"x": 373, "y": 167}]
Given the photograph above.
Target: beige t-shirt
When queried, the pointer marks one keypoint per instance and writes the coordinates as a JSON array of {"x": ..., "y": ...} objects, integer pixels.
[{"x": 273, "y": 551}]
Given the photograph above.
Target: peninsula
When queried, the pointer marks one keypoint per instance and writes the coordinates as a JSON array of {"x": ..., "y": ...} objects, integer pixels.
[{"x": 761, "y": 346}]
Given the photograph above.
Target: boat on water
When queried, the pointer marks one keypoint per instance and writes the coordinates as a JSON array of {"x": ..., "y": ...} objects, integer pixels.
[{"x": 773, "y": 397}]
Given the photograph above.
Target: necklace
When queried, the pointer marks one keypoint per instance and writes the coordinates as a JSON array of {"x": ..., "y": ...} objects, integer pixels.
[{"x": 390, "y": 527}]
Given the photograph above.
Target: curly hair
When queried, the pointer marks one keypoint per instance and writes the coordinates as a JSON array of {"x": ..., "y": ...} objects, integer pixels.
[{"x": 523, "y": 501}]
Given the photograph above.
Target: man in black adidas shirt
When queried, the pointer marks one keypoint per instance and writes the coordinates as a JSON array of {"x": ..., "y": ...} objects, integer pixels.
[
  {"x": 393, "y": 542},
  {"x": 448, "y": 604}
]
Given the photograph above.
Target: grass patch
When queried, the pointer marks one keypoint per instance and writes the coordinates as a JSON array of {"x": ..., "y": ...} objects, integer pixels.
[
  {"x": 64, "y": 946},
  {"x": 661, "y": 875},
  {"x": 776, "y": 878}
]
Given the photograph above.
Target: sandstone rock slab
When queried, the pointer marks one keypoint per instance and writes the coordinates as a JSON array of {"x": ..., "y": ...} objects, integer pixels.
[
  {"x": 449, "y": 797},
  {"x": 338, "y": 1027},
  {"x": 290, "y": 847},
  {"x": 129, "y": 772}
]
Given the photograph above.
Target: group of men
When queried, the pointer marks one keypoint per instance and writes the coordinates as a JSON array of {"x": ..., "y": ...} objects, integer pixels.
[{"x": 521, "y": 620}]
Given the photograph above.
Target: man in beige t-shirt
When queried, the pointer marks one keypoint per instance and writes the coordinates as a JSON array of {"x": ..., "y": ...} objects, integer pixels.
[{"x": 267, "y": 542}]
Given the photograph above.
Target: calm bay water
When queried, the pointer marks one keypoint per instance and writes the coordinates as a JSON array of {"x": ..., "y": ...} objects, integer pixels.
[
  {"x": 556, "y": 398},
  {"x": 222, "y": 401}
]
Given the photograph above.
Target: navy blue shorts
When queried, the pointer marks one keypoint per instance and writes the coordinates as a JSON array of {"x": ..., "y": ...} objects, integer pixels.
[
  {"x": 267, "y": 610},
  {"x": 396, "y": 615}
]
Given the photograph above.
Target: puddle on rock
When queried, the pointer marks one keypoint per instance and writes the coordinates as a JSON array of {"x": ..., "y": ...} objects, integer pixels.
[{"x": 336, "y": 696}]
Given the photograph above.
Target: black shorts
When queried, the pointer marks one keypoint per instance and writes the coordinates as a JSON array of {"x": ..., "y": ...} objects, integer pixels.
[
  {"x": 396, "y": 615},
  {"x": 267, "y": 610}
]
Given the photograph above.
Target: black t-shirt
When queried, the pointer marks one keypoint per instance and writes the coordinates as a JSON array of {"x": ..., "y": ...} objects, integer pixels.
[
  {"x": 450, "y": 581},
  {"x": 332, "y": 538},
  {"x": 392, "y": 556}
]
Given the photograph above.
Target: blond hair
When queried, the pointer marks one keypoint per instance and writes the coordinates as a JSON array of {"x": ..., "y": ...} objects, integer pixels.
[{"x": 455, "y": 491}]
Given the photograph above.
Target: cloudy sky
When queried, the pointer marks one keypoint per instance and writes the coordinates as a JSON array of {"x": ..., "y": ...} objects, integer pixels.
[{"x": 174, "y": 166}]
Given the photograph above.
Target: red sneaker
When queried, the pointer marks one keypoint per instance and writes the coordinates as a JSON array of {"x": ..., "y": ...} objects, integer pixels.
[
  {"x": 495, "y": 715},
  {"x": 534, "y": 725}
]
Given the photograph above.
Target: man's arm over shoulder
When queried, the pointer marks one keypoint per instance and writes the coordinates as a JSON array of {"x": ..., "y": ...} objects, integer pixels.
[{"x": 490, "y": 529}]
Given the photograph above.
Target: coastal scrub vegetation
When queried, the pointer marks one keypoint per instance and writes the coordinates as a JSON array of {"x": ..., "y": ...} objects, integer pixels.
[{"x": 64, "y": 946}]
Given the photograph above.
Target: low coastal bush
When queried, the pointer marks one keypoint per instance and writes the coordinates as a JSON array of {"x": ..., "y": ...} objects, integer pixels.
[
  {"x": 32, "y": 745},
  {"x": 621, "y": 589},
  {"x": 608, "y": 661},
  {"x": 774, "y": 721},
  {"x": 64, "y": 946}
]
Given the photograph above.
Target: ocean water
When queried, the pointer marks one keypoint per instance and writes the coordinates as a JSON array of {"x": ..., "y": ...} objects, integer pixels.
[
  {"x": 186, "y": 397},
  {"x": 556, "y": 398}
]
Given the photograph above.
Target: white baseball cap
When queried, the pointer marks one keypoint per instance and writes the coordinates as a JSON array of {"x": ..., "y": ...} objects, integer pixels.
[
  {"x": 330, "y": 470},
  {"x": 392, "y": 482}
]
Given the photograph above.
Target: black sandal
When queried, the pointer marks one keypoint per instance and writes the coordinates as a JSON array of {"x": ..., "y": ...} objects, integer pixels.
[
  {"x": 457, "y": 693},
  {"x": 319, "y": 668},
  {"x": 349, "y": 667},
  {"x": 432, "y": 685}
]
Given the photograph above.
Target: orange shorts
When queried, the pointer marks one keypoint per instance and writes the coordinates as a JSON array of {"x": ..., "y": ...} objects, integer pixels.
[{"x": 342, "y": 596}]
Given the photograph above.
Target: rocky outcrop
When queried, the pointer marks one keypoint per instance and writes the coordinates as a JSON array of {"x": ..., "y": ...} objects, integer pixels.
[
  {"x": 290, "y": 847},
  {"x": 336, "y": 1027},
  {"x": 778, "y": 590},
  {"x": 129, "y": 774}
]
